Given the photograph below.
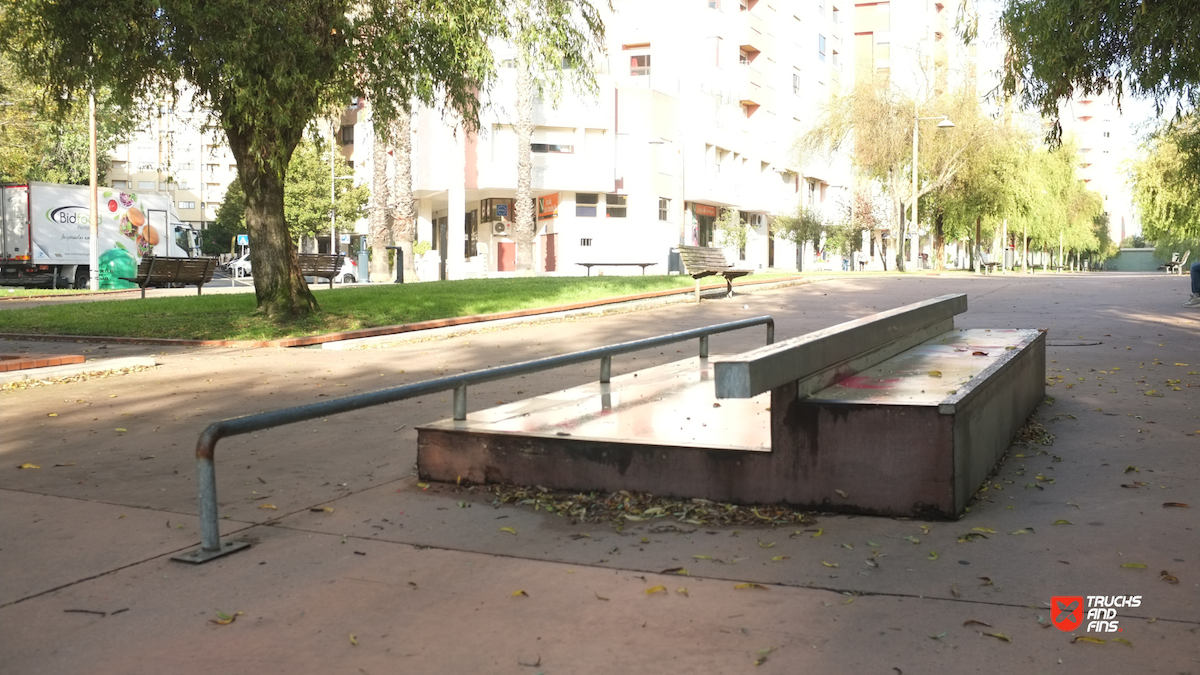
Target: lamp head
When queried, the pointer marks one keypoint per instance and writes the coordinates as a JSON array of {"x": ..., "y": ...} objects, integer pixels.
[{"x": 945, "y": 123}]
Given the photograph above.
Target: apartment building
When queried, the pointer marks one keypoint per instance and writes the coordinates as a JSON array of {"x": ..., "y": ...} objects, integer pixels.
[
  {"x": 1106, "y": 145},
  {"x": 699, "y": 104}
]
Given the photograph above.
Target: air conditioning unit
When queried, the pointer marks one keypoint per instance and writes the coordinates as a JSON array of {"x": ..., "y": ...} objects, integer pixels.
[{"x": 501, "y": 228}]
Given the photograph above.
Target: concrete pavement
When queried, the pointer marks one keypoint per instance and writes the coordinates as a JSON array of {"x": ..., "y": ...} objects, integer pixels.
[{"x": 425, "y": 580}]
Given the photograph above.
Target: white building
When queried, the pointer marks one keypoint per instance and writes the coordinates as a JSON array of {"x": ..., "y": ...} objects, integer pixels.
[
  {"x": 698, "y": 108},
  {"x": 1106, "y": 146}
]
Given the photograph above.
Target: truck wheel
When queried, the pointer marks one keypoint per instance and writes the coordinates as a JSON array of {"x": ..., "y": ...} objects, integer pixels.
[
  {"x": 81, "y": 279},
  {"x": 348, "y": 279}
]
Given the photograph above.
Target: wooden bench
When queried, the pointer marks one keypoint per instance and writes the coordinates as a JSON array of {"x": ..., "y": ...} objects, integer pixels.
[
  {"x": 325, "y": 265},
  {"x": 590, "y": 265},
  {"x": 156, "y": 270},
  {"x": 1177, "y": 266},
  {"x": 704, "y": 261},
  {"x": 895, "y": 414}
]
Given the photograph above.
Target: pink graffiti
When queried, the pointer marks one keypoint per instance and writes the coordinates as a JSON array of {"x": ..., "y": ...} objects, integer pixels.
[{"x": 864, "y": 382}]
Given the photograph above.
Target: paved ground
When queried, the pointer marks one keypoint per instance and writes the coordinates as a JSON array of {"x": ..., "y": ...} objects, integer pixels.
[{"x": 397, "y": 578}]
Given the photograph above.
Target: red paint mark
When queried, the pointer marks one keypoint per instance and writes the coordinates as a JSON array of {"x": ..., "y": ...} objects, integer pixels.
[{"x": 864, "y": 382}]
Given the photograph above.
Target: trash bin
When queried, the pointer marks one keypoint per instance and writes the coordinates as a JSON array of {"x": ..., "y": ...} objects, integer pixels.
[
  {"x": 364, "y": 265},
  {"x": 399, "y": 268},
  {"x": 674, "y": 262}
]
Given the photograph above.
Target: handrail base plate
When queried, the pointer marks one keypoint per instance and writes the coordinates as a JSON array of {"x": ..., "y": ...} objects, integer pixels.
[{"x": 203, "y": 555}]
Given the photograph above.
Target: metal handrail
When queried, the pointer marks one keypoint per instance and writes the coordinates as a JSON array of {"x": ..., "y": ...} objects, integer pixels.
[{"x": 206, "y": 446}]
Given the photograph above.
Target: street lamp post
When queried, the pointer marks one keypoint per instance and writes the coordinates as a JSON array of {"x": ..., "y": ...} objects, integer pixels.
[{"x": 917, "y": 119}]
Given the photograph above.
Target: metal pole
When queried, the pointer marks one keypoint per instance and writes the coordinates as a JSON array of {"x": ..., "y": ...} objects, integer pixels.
[
  {"x": 605, "y": 369},
  {"x": 1004, "y": 248},
  {"x": 1025, "y": 251},
  {"x": 704, "y": 347},
  {"x": 94, "y": 224},
  {"x": 460, "y": 402},
  {"x": 916, "y": 123},
  {"x": 1060, "y": 251},
  {"x": 333, "y": 246}
]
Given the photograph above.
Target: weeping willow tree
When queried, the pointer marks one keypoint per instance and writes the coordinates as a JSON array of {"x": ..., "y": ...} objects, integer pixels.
[{"x": 1166, "y": 192}]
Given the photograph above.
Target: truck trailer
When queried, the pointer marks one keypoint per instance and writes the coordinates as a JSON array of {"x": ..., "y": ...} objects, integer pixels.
[{"x": 46, "y": 234}]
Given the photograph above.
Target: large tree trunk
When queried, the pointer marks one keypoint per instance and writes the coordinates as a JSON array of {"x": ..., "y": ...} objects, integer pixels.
[
  {"x": 380, "y": 227},
  {"x": 404, "y": 218},
  {"x": 898, "y": 208},
  {"x": 280, "y": 290},
  {"x": 523, "y": 220}
]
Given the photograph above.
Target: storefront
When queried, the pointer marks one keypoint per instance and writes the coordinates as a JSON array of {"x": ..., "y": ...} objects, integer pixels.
[{"x": 704, "y": 218}]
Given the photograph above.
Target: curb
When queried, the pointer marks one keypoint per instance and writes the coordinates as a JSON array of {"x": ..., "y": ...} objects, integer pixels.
[
  {"x": 406, "y": 327},
  {"x": 101, "y": 365}
]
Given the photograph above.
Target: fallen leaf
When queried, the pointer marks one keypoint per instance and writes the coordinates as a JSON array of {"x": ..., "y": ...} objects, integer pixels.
[
  {"x": 423, "y": 486},
  {"x": 999, "y": 636},
  {"x": 970, "y": 536},
  {"x": 761, "y": 544},
  {"x": 935, "y": 373},
  {"x": 1134, "y": 566},
  {"x": 1062, "y": 522},
  {"x": 353, "y": 640},
  {"x": 954, "y": 591},
  {"x": 987, "y": 581},
  {"x": 819, "y": 532},
  {"x": 912, "y": 539},
  {"x": 1168, "y": 577},
  {"x": 752, "y": 585},
  {"x": 655, "y": 589},
  {"x": 65, "y": 464},
  {"x": 973, "y": 622},
  {"x": 29, "y": 466},
  {"x": 319, "y": 509},
  {"x": 675, "y": 570},
  {"x": 932, "y": 555},
  {"x": 682, "y": 590},
  {"x": 599, "y": 597},
  {"x": 516, "y": 593},
  {"x": 1166, "y": 504},
  {"x": 842, "y": 494},
  {"x": 1123, "y": 641},
  {"x": 986, "y": 530},
  {"x": 269, "y": 506},
  {"x": 509, "y": 530},
  {"x": 120, "y": 429},
  {"x": 1023, "y": 530},
  {"x": 225, "y": 619},
  {"x": 979, "y": 353},
  {"x": 780, "y": 557},
  {"x": 703, "y": 557},
  {"x": 829, "y": 564},
  {"x": 1132, "y": 468},
  {"x": 1088, "y": 638},
  {"x": 52, "y": 415}
]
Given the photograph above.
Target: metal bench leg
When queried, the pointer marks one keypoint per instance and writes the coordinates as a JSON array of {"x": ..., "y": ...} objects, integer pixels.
[
  {"x": 729, "y": 287},
  {"x": 697, "y": 289}
]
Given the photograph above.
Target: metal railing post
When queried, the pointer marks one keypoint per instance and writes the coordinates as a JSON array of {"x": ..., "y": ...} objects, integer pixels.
[
  {"x": 460, "y": 402},
  {"x": 605, "y": 369},
  {"x": 704, "y": 347},
  {"x": 771, "y": 332}
]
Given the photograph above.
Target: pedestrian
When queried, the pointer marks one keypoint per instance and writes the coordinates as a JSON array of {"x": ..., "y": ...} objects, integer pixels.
[{"x": 1194, "y": 299}]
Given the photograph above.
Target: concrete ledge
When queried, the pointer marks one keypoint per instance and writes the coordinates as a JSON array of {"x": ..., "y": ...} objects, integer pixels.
[{"x": 100, "y": 365}]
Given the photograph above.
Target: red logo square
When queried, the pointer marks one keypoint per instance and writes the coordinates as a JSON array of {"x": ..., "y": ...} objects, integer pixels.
[{"x": 1066, "y": 612}]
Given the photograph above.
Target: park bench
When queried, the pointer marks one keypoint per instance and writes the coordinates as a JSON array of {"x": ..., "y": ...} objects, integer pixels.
[
  {"x": 156, "y": 270},
  {"x": 325, "y": 265},
  {"x": 1176, "y": 264},
  {"x": 704, "y": 261},
  {"x": 896, "y": 414},
  {"x": 590, "y": 265},
  {"x": 988, "y": 265}
]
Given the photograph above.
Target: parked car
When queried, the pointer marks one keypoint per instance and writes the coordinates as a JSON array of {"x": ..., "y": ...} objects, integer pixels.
[
  {"x": 349, "y": 272},
  {"x": 240, "y": 267}
]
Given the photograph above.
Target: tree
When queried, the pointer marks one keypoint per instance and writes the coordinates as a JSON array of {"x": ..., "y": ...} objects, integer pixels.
[
  {"x": 547, "y": 42},
  {"x": 380, "y": 217},
  {"x": 305, "y": 198},
  {"x": 1057, "y": 48},
  {"x": 404, "y": 217},
  {"x": 267, "y": 70},
  {"x": 1166, "y": 191},
  {"x": 879, "y": 121},
  {"x": 230, "y": 221},
  {"x": 45, "y": 143}
]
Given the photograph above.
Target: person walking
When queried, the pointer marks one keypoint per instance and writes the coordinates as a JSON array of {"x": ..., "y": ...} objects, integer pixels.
[{"x": 1194, "y": 300}]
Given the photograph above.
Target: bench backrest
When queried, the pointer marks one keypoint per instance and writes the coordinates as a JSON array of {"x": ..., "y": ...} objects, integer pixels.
[
  {"x": 162, "y": 269},
  {"x": 319, "y": 264},
  {"x": 822, "y": 357},
  {"x": 699, "y": 258}
]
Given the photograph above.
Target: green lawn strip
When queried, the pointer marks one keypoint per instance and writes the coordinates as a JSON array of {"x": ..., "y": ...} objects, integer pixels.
[
  {"x": 38, "y": 292},
  {"x": 232, "y": 316}
]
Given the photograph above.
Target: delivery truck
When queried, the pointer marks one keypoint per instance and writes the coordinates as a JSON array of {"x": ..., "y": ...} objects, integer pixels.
[{"x": 46, "y": 234}]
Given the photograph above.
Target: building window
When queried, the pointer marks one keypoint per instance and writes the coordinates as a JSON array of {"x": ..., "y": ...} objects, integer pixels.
[
  {"x": 508, "y": 63},
  {"x": 119, "y": 184},
  {"x": 714, "y": 4},
  {"x": 837, "y": 64},
  {"x": 471, "y": 232},
  {"x": 347, "y": 134},
  {"x": 162, "y": 187},
  {"x": 146, "y": 184},
  {"x": 186, "y": 205},
  {"x": 549, "y": 147},
  {"x": 615, "y": 205},
  {"x": 586, "y": 204},
  {"x": 664, "y": 208},
  {"x": 1105, "y": 135},
  {"x": 639, "y": 65},
  {"x": 187, "y": 166},
  {"x": 585, "y": 242},
  {"x": 821, "y": 47},
  {"x": 834, "y": 14},
  {"x": 118, "y": 165},
  {"x": 183, "y": 185},
  {"x": 796, "y": 83}
]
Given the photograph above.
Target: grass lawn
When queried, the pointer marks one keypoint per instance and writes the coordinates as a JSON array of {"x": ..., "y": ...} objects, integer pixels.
[{"x": 232, "y": 316}]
